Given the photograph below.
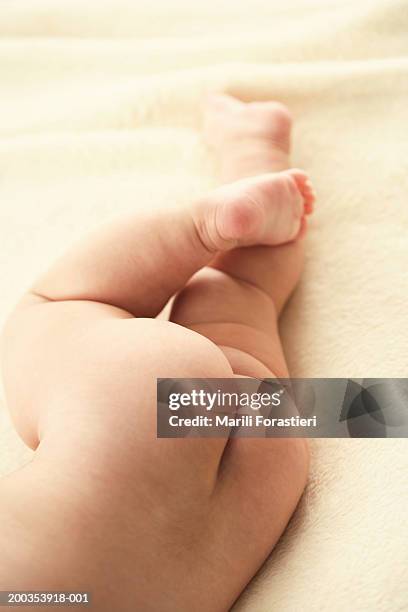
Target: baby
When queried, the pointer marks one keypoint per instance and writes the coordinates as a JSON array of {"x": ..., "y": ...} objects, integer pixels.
[{"x": 158, "y": 525}]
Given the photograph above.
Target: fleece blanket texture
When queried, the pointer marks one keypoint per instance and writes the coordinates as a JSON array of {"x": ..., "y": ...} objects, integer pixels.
[{"x": 100, "y": 110}]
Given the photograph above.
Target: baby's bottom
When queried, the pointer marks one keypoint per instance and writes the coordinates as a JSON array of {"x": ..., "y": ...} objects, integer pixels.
[{"x": 146, "y": 523}]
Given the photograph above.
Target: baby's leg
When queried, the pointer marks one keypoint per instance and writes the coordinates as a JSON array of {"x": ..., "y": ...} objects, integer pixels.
[
  {"x": 140, "y": 261},
  {"x": 236, "y": 302}
]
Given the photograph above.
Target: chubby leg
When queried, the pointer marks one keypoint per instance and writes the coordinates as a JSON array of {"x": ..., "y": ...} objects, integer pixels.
[
  {"x": 140, "y": 261},
  {"x": 237, "y": 300}
]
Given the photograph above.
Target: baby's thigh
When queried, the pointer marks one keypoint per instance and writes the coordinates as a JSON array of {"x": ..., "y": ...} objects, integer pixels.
[
  {"x": 108, "y": 397},
  {"x": 116, "y": 362}
]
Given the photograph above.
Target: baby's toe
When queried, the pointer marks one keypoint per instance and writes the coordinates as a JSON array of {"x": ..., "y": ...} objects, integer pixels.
[{"x": 305, "y": 188}]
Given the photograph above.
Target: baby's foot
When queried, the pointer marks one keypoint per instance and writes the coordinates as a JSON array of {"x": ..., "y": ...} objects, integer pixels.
[
  {"x": 247, "y": 139},
  {"x": 268, "y": 210}
]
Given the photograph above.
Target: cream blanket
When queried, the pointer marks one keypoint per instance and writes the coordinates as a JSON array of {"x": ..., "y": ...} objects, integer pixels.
[{"x": 100, "y": 113}]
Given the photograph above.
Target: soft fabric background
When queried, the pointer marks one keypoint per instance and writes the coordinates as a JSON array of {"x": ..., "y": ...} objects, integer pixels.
[{"x": 100, "y": 113}]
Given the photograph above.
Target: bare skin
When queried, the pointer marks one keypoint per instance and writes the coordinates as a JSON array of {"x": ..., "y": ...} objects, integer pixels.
[{"x": 148, "y": 524}]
